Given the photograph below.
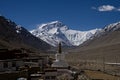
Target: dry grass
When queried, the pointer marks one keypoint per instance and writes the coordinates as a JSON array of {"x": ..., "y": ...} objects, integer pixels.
[
  {"x": 95, "y": 75},
  {"x": 93, "y": 63}
]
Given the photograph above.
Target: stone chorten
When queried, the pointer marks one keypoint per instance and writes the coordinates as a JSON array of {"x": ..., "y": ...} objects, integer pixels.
[{"x": 60, "y": 62}]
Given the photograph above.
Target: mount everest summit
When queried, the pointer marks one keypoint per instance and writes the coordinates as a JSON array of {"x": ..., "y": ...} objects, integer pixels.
[{"x": 55, "y": 32}]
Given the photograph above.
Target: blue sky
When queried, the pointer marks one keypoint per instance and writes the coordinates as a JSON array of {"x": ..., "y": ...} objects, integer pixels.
[{"x": 77, "y": 14}]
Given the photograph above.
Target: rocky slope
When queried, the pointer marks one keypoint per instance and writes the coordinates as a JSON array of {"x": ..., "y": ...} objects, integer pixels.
[{"x": 15, "y": 36}]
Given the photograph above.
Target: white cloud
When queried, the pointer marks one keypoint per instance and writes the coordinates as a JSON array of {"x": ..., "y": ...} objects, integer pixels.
[{"x": 104, "y": 8}]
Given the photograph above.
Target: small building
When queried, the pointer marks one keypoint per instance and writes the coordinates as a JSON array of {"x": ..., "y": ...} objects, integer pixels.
[
  {"x": 10, "y": 64},
  {"x": 40, "y": 61}
]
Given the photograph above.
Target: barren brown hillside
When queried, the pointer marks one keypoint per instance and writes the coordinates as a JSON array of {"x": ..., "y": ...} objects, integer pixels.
[{"x": 107, "y": 46}]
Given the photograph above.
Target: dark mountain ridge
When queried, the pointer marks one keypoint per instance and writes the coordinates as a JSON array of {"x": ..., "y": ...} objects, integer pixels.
[{"x": 15, "y": 36}]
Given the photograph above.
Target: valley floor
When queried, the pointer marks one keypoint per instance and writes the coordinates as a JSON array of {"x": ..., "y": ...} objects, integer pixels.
[{"x": 98, "y": 75}]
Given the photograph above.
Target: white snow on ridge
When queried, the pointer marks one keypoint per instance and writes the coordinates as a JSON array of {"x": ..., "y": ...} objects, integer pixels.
[
  {"x": 112, "y": 27},
  {"x": 55, "y": 32},
  {"x": 78, "y": 37}
]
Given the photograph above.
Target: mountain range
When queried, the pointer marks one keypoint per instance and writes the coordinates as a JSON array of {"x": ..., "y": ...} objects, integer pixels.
[
  {"x": 55, "y": 32},
  {"x": 92, "y": 44},
  {"x": 104, "y": 44},
  {"x": 101, "y": 41},
  {"x": 107, "y": 36}
]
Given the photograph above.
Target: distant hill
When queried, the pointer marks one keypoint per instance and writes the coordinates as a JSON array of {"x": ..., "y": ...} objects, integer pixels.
[
  {"x": 15, "y": 36},
  {"x": 105, "y": 43},
  {"x": 110, "y": 35}
]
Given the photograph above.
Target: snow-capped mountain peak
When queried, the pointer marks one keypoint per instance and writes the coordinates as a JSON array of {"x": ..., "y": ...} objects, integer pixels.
[
  {"x": 112, "y": 27},
  {"x": 50, "y": 25},
  {"x": 55, "y": 32},
  {"x": 107, "y": 29}
]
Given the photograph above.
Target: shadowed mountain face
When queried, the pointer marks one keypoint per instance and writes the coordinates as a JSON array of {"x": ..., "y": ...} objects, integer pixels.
[
  {"x": 15, "y": 36},
  {"x": 104, "y": 44}
]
